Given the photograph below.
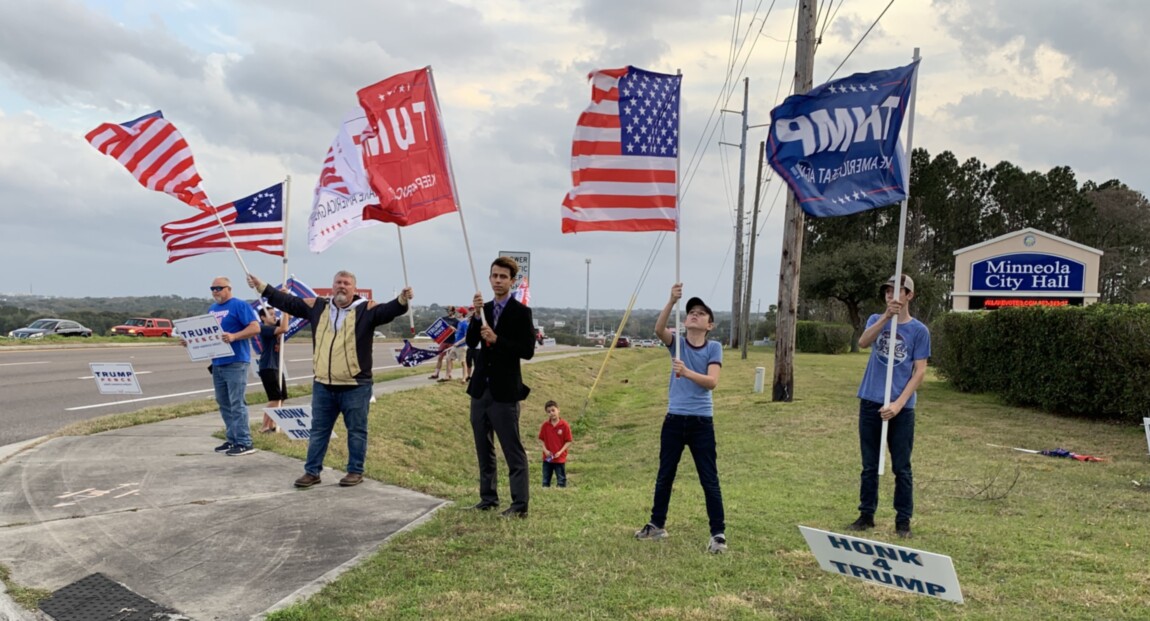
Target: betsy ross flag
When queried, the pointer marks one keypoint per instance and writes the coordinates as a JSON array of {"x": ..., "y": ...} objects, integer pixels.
[
  {"x": 153, "y": 150},
  {"x": 837, "y": 145},
  {"x": 254, "y": 222},
  {"x": 625, "y": 155}
]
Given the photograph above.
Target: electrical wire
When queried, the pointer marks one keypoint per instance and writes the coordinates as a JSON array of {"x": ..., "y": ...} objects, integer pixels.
[{"x": 863, "y": 38}]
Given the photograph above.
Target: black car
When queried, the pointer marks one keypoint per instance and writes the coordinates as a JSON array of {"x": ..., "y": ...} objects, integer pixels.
[{"x": 48, "y": 327}]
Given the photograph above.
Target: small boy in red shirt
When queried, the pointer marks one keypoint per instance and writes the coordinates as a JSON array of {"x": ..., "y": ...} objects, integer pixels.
[{"x": 555, "y": 436}]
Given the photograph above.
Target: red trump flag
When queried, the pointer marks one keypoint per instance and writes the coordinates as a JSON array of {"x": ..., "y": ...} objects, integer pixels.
[{"x": 405, "y": 153}]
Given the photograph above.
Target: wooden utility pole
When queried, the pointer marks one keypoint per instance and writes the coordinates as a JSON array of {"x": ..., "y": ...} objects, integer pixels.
[
  {"x": 784, "y": 384},
  {"x": 737, "y": 289},
  {"x": 746, "y": 326}
]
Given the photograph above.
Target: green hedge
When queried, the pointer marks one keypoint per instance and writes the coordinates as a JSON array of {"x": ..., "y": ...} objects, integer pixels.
[
  {"x": 818, "y": 337},
  {"x": 1091, "y": 361}
]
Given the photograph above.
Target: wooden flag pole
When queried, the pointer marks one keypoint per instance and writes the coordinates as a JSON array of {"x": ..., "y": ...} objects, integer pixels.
[
  {"x": 403, "y": 262},
  {"x": 898, "y": 267},
  {"x": 454, "y": 189}
]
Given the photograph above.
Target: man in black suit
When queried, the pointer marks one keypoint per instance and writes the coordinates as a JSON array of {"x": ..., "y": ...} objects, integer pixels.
[{"x": 507, "y": 334}]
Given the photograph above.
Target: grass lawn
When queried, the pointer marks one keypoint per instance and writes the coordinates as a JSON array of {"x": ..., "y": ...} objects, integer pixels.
[{"x": 1031, "y": 536}]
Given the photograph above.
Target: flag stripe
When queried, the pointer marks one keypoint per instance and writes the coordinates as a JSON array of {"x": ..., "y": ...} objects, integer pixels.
[
  {"x": 202, "y": 233},
  {"x": 155, "y": 153},
  {"x": 620, "y": 182}
]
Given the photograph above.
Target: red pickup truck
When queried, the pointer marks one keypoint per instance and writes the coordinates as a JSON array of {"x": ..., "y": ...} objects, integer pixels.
[{"x": 144, "y": 326}]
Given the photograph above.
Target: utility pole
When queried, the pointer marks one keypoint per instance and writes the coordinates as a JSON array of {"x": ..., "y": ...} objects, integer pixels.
[
  {"x": 784, "y": 381},
  {"x": 737, "y": 289},
  {"x": 746, "y": 329}
]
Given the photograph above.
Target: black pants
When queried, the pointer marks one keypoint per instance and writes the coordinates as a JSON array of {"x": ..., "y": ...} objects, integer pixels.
[
  {"x": 698, "y": 434},
  {"x": 490, "y": 418},
  {"x": 560, "y": 471}
]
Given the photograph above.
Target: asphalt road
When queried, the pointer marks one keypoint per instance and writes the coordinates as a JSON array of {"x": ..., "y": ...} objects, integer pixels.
[{"x": 43, "y": 390}]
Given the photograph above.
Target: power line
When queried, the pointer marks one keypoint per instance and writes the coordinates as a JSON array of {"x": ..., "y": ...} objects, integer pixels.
[{"x": 863, "y": 38}]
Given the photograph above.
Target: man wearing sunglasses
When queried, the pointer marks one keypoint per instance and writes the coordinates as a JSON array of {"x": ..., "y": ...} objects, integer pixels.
[
  {"x": 343, "y": 330},
  {"x": 230, "y": 374}
]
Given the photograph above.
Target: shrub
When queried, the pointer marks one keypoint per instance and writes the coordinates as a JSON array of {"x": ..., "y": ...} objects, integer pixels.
[
  {"x": 1091, "y": 361},
  {"x": 818, "y": 337}
]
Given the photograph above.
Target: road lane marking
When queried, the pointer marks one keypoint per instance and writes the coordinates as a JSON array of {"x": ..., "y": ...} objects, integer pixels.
[
  {"x": 16, "y": 364},
  {"x": 195, "y": 392}
]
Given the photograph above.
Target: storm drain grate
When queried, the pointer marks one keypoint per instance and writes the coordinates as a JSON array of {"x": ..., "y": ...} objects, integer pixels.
[{"x": 99, "y": 598}]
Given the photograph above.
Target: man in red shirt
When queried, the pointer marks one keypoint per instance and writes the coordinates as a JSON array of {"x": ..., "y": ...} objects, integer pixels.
[{"x": 555, "y": 436}]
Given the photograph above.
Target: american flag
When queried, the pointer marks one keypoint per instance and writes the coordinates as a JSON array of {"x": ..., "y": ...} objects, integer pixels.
[
  {"x": 625, "y": 154},
  {"x": 254, "y": 222},
  {"x": 522, "y": 292},
  {"x": 153, "y": 150}
]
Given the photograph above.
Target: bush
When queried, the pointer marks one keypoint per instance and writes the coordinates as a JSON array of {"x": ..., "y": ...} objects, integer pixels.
[
  {"x": 818, "y": 337},
  {"x": 1091, "y": 361}
]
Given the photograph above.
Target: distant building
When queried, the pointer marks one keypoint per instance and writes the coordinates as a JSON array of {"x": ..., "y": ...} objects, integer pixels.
[{"x": 1025, "y": 268}]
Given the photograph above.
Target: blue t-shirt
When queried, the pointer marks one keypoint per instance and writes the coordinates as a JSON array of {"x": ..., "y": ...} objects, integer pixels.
[
  {"x": 913, "y": 343},
  {"x": 683, "y": 395},
  {"x": 234, "y": 315},
  {"x": 269, "y": 345},
  {"x": 461, "y": 333}
]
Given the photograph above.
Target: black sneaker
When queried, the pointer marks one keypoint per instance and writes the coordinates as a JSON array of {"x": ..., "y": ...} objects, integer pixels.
[
  {"x": 865, "y": 522},
  {"x": 224, "y": 448},
  {"x": 240, "y": 449},
  {"x": 902, "y": 529}
]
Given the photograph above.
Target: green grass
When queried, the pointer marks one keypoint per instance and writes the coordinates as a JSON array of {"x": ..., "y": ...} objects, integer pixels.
[{"x": 1031, "y": 536}]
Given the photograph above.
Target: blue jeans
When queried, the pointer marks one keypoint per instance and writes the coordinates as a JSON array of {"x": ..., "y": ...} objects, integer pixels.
[
  {"x": 560, "y": 471},
  {"x": 230, "y": 382},
  {"x": 900, "y": 441},
  {"x": 698, "y": 433},
  {"x": 327, "y": 402}
]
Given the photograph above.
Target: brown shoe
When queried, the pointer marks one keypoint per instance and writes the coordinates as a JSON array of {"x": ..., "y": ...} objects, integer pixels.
[
  {"x": 353, "y": 478},
  {"x": 307, "y": 480}
]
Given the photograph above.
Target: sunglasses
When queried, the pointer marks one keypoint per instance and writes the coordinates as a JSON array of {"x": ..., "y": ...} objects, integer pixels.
[{"x": 215, "y": 289}]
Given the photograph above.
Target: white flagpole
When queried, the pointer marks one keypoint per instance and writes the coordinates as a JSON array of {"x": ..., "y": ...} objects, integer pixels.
[
  {"x": 898, "y": 267},
  {"x": 454, "y": 190},
  {"x": 283, "y": 335},
  {"x": 678, "y": 226},
  {"x": 403, "y": 262},
  {"x": 220, "y": 221}
]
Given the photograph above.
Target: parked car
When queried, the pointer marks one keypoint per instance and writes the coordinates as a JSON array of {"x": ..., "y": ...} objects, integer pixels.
[
  {"x": 623, "y": 342},
  {"x": 49, "y": 327},
  {"x": 422, "y": 336},
  {"x": 144, "y": 326}
]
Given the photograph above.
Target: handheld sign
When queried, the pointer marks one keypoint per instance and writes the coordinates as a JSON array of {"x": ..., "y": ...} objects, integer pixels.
[
  {"x": 440, "y": 331},
  {"x": 115, "y": 378},
  {"x": 293, "y": 421},
  {"x": 885, "y": 564},
  {"x": 203, "y": 336}
]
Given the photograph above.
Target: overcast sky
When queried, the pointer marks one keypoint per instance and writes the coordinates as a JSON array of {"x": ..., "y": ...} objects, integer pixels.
[{"x": 259, "y": 88}]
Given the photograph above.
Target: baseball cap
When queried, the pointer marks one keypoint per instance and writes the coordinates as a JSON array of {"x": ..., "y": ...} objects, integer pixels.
[
  {"x": 463, "y": 310},
  {"x": 907, "y": 283},
  {"x": 693, "y": 302}
]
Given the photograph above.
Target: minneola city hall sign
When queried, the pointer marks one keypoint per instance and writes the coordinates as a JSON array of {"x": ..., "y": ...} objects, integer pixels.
[{"x": 1025, "y": 268}]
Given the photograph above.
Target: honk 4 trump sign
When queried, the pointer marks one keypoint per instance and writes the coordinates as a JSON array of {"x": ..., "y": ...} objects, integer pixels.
[{"x": 884, "y": 564}]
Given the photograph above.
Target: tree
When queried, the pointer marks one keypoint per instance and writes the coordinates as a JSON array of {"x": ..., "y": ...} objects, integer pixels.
[{"x": 852, "y": 274}]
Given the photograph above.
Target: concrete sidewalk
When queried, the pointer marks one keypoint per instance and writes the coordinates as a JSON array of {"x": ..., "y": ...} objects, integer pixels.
[{"x": 213, "y": 537}]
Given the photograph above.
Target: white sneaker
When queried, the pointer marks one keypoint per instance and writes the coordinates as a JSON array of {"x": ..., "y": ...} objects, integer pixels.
[
  {"x": 652, "y": 532},
  {"x": 718, "y": 544}
]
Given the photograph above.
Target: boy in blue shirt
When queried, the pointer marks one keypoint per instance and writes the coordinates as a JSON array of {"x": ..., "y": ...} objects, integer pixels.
[
  {"x": 689, "y": 421},
  {"x": 912, "y": 349}
]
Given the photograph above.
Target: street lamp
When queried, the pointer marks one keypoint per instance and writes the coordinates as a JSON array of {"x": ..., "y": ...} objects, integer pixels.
[{"x": 588, "y": 331}]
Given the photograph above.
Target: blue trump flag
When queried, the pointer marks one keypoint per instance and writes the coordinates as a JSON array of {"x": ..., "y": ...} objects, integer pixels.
[
  {"x": 837, "y": 145},
  {"x": 300, "y": 290},
  {"x": 409, "y": 355}
]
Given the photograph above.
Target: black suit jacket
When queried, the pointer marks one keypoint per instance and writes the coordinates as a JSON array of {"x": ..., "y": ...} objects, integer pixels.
[{"x": 497, "y": 366}]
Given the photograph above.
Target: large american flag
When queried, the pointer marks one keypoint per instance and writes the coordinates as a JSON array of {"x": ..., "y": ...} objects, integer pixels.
[
  {"x": 254, "y": 222},
  {"x": 153, "y": 150},
  {"x": 625, "y": 154}
]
